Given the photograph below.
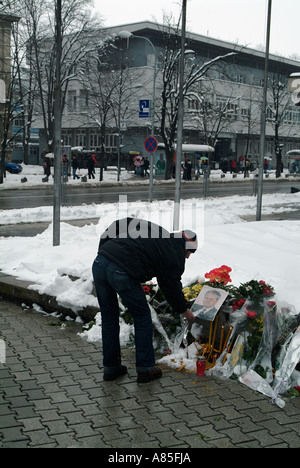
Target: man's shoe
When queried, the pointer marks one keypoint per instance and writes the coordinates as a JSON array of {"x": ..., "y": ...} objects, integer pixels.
[
  {"x": 145, "y": 377},
  {"x": 116, "y": 374}
]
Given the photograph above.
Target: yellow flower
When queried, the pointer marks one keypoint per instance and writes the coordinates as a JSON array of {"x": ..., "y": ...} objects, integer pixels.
[{"x": 191, "y": 292}]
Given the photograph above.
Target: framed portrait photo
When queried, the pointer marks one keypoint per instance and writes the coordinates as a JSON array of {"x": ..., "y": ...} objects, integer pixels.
[{"x": 208, "y": 303}]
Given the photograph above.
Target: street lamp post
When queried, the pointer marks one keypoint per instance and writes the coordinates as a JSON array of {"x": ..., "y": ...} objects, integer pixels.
[
  {"x": 57, "y": 129},
  {"x": 180, "y": 124},
  {"x": 129, "y": 35},
  {"x": 263, "y": 120}
]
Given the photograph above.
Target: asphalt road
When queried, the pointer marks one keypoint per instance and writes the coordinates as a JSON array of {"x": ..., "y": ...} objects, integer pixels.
[{"x": 29, "y": 198}]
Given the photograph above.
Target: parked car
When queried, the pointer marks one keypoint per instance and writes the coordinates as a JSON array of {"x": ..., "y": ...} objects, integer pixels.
[{"x": 13, "y": 168}]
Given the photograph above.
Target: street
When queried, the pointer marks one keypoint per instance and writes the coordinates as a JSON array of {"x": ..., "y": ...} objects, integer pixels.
[{"x": 29, "y": 198}]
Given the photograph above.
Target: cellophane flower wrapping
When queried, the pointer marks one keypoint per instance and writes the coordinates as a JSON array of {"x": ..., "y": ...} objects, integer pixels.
[{"x": 261, "y": 345}]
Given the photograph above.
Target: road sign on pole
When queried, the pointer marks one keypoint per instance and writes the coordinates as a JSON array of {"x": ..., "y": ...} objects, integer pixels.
[
  {"x": 151, "y": 144},
  {"x": 144, "y": 108}
]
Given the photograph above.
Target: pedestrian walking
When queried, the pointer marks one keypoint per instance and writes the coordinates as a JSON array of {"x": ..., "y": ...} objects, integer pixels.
[
  {"x": 91, "y": 167},
  {"x": 188, "y": 166},
  {"x": 75, "y": 166},
  {"x": 146, "y": 165},
  {"x": 233, "y": 166},
  {"x": 133, "y": 251},
  {"x": 65, "y": 167},
  {"x": 47, "y": 168},
  {"x": 138, "y": 162}
]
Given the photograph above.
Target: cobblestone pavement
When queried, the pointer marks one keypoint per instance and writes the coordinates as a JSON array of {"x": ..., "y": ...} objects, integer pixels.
[{"x": 52, "y": 396}]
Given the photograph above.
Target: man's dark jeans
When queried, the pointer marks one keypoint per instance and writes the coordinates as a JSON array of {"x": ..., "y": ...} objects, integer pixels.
[{"x": 111, "y": 280}]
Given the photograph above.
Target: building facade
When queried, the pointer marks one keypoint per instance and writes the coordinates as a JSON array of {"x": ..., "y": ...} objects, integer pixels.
[{"x": 223, "y": 109}]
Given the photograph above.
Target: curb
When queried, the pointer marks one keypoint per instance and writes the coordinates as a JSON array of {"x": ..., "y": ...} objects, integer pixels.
[
  {"x": 156, "y": 182},
  {"x": 16, "y": 290}
]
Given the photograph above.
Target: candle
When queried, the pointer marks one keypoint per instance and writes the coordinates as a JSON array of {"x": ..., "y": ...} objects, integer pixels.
[
  {"x": 227, "y": 337},
  {"x": 221, "y": 339},
  {"x": 214, "y": 336},
  {"x": 210, "y": 334}
]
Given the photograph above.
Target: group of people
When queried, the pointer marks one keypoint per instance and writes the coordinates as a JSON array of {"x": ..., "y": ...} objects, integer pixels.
[
  {"x": 91, "y": 163},
  {"x": 141, "y": 165},
  {"x": 233, "y": 166}
]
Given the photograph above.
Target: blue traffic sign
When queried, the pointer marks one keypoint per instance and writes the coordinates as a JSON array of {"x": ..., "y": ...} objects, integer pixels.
[
  {"x": 151, "y": 144},
  {"x": 144, "y": 108}
]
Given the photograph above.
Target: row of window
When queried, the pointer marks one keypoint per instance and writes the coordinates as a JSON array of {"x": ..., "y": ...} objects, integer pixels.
[
  {"x": 241, "y": 79},
  {"x": 233, "y": 111},
  {"x": 77, "y": 102},
  {"x": 91, "y": 139}
]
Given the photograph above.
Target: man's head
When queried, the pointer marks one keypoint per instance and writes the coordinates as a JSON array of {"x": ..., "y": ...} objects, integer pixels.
[
  {"x": 191, "y": 243},
  {"x": 211, "y": 298}
]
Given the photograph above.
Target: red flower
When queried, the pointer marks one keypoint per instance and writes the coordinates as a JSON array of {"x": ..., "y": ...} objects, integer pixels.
[
  {"x": 267, "y": 291},
  {"x": 251, "y": 314},
  {"x": 237, "y": 305},
  {"x": 146, "y": 289},
  {"x": 271, "y": 303},
  {"x": 219, "y": 275}
]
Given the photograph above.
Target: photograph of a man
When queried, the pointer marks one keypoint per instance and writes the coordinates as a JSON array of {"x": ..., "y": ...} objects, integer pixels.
[
  {"x": 160, "y": 166},
  {"x": 208, "y": 303}
]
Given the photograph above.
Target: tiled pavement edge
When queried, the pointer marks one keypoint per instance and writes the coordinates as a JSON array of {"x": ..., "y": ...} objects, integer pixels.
[{"x": 52, "y": 396}]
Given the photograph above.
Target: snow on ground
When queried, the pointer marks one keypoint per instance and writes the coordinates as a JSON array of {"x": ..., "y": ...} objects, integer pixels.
[
  {"x": 268, "y": 250},
  {"x": 34, "y": 175}
]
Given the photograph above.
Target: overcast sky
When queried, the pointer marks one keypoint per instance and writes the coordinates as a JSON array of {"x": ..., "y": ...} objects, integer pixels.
[{"x": 242, "y": 21}]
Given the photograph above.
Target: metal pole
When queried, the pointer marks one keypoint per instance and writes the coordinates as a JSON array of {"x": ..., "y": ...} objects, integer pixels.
[
  {"x": 152, "y": 124},
  {"x": 180, "y": 124},
  {"x": 119, "y": 131},
  {"x": 57, "y": 130},
  {"x": 127, "y": 35},
  {"x": 152, "y": 113},
  {"x": 263, "y": 120}
]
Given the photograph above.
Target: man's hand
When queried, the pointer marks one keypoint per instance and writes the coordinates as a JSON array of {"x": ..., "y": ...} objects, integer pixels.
[{"x": 188, "y": 314}]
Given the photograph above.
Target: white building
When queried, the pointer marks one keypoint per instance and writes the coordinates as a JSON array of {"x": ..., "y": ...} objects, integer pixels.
[{"x": 225, "y": 111}]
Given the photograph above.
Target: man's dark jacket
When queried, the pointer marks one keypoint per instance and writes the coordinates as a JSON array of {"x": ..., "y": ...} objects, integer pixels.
[{"x": 145, "y": 250}]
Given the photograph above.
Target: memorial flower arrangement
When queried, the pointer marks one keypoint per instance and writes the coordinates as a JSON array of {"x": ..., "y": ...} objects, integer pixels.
[
  {"x": 246, "y": 340},
  {"x": 252, "y": 337}
]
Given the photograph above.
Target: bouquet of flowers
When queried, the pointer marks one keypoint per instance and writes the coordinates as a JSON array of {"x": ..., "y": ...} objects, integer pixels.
[
  {"x": 252, "y": 337},
  {"x": 248, "y": 343}
]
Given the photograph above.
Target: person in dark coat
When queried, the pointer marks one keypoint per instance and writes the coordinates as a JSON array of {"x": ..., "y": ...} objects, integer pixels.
[
  {"x": 47, "y": 168},
  {"x": 188, "y": 166},
  {"x": 75, "y": 166},
  {"x": 91, "y": 167},
  {"x": 133, "y": 251}
]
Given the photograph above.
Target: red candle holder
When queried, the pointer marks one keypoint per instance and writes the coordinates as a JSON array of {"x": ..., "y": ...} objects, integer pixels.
[{"x": 201, "y": 365}]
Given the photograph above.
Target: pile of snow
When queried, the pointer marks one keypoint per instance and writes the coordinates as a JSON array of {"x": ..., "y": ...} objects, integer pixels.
[
  {"x": 34, "y": 175},
  {"x": 268, "y": 250}
]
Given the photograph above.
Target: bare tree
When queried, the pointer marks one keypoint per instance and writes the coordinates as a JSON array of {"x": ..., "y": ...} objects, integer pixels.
[
  {"x": 170, "y": 86},
  {"x": 11, "y": 111},
  {"x": 110, "y": 88},
  {"x": 27, "y": 85},
  {"x": 78, "y": 33},
  {"x": 279, "y": 101},
  {"x": 208, "y": 113},
  {"x": 9, "y": 72}
]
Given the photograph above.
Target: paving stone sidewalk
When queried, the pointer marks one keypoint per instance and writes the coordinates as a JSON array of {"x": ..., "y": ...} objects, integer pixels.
[{"x": 52, "y": 396}]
